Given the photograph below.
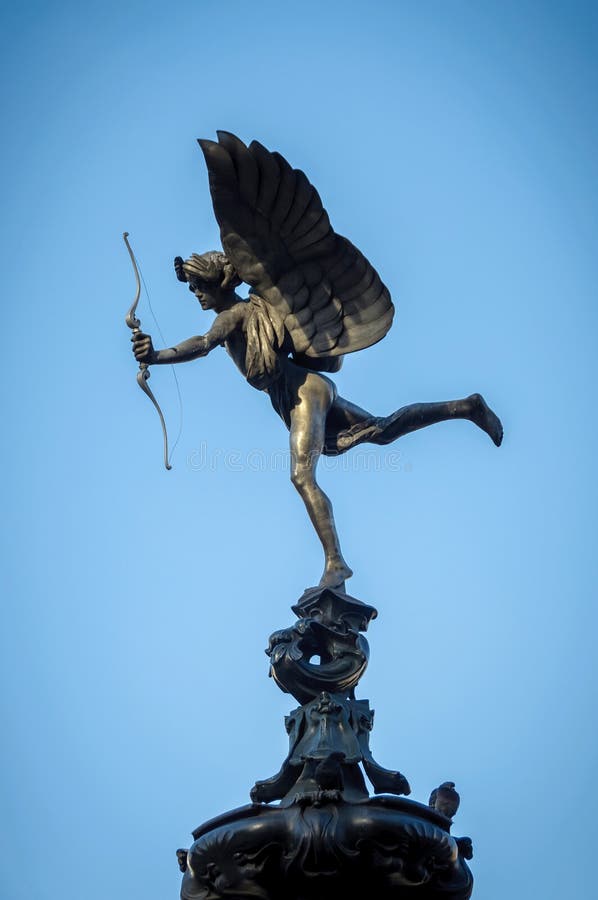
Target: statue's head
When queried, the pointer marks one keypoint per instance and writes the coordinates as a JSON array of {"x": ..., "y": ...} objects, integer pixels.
[{"x": 211, "y": 277}]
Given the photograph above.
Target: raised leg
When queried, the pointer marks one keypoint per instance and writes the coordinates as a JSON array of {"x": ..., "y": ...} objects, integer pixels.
[
  {"x": 420, "y": 415},
  {"x": 356, "y": 426},
  {"x": 308, "y": 419}
]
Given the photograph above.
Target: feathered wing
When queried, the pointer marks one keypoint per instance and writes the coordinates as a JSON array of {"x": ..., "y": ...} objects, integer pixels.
[{"x": 320, "y": 290}]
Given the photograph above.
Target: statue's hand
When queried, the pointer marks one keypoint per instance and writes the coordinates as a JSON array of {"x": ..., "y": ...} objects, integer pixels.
[{"x": 143, "y": 348}]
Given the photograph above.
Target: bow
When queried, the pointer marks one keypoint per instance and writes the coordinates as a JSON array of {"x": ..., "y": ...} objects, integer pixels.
[{"x": 144, "y": 373}]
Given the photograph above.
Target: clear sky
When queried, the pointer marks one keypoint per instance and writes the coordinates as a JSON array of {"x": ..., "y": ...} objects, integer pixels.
[{"x": 455, "y": 144}]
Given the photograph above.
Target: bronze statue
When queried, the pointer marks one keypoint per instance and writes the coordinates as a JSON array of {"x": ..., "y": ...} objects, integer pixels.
[
  {"x": 445, "y": 799},
  {"x": 314, "y": 297}
]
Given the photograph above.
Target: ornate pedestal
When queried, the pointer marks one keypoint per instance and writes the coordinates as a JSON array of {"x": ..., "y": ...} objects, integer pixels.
[{"x": 326, "y": 837}]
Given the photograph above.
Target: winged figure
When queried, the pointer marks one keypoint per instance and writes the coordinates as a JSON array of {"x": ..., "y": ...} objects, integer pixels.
[{"x": 313, "y": 298}]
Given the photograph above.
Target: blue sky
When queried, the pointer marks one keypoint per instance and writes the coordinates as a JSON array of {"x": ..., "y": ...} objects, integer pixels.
[{"x": 455, "y": 144}]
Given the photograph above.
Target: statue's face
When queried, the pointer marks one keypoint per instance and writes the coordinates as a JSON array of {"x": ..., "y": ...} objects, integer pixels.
[{"x": 209, "y": 294}]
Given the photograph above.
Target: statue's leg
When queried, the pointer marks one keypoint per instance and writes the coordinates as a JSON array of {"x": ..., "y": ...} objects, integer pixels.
[
  {"x": 307, "y": 429},
  {"x": 419, "y": 415},
  {"x": 356, "y": 426},
  {"x": 344, "y": 414}
]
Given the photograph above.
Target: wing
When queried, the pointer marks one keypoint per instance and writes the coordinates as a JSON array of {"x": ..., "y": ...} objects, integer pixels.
[{"x": 277, "y": 234}]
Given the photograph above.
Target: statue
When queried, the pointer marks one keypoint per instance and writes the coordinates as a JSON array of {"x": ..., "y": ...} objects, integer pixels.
[
  {"x": 314, "y": 298},
  {"x": 313, "y": 828}
]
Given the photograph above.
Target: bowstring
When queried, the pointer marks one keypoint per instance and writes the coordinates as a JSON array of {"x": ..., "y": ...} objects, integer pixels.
[{"x": 172, "y": 369}]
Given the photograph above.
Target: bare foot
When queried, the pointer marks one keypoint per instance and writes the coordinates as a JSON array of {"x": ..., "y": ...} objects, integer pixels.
[
  {"x": 335, "y": 573},
  {"x": 485, "y": 418}
]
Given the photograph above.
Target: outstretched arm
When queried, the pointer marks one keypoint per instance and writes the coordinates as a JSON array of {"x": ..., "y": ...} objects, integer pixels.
[{"x": 224, "y": 324}]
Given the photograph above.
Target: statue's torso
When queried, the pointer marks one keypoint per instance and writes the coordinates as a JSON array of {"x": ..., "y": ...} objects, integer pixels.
[
  {"x": 253, "y": 344},
  {"x": 236, "y": 347}
]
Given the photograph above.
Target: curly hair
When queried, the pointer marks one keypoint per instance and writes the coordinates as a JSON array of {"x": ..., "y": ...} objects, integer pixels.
[{"x": 211, "y": 266}]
